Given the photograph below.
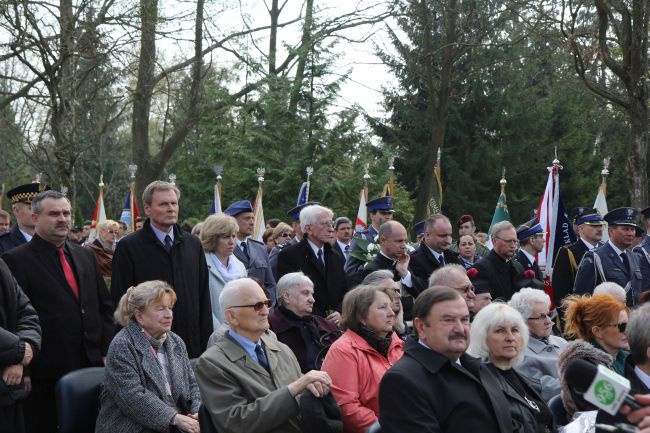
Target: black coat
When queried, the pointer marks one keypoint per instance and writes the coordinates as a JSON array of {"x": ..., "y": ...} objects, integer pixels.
[
  {"x": 76, "y": 333},
  {"x": 526, "y": 264},
  {"x": 423, "y": 263},
  {"x": 501, "y": 274},
  {"x": 382, "y": 262},
  {"x": 329, "y": 284},
  {"x": 424, "y": 392},
  {"x": 564, "y": 273},
  {"x": 141, "y": 257},
  {"x": 11, "y": 239}
]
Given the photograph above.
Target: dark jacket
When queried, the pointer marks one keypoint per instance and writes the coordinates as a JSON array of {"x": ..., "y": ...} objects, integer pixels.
[
  {"x": 257, "y": 264},
  {"x": 501, "y": 274},
  {"x": 643, "y": 252},
  {"x": 141, "y": 257},
  {"x": 382, "y": 262},
  {"x": 352, "y": 264},
  {"x": 521, "y": 412},
  {"x": 329, "y": 284},
  {"x": 564, "y": 272},
  {"x": 424, "y": 392},
  {"x": 526, "y": 264},
  {"x": 296, "y": 334},
  {"x": 18, "y": 325},
  {"x": 423, "y": 263},
  {"x": 76, "y": 332},
  {"x": 11, "y": 239}
]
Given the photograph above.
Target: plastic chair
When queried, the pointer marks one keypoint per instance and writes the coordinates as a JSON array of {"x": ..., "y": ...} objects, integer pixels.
[
  {"x": 557, "y": 411},
  {"x": 205, "y": 421},
  {"x": 77, "y": 400}
]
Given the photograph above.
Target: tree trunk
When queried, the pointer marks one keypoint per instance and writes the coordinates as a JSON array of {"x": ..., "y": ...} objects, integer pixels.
[
  {"x": 637, "y": 153},
  {"x": 303, "y": 56}
]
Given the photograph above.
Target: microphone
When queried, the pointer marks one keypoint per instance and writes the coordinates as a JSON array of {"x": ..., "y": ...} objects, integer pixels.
[{"x": 599, "y": 385}]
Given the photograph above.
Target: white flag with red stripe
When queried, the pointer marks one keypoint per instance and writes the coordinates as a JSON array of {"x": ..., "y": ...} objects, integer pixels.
[{"x": 362, "y": 216}]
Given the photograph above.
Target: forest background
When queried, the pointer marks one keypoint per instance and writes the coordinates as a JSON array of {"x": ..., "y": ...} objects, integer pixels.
[{"x": 88, "y": 87}]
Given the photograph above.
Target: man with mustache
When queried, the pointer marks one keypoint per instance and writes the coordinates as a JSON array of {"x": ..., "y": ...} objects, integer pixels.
[
  {"x": 434, "y": 252},
  {"x": 436, "y": 386},
  {"x": 66, "y": 288}
]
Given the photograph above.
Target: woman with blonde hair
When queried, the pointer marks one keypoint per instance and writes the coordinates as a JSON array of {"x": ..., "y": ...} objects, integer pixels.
[
  {"x": 219, "y": 238},
  {"x": 104, "y": 246},
  {"x": 149, "y": 384}
]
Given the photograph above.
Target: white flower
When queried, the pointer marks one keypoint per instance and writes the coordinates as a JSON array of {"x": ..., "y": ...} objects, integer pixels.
[{"x": 373, "y": 248}]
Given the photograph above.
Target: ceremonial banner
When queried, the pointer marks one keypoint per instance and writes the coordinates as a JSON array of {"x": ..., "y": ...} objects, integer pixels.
[
  {"x": 601, "y": 206},
  {"x": 303, "y": 194},
  {"x": 500, "y": 212},
  {"x": 258, "y": 215},
  {"x": 131, "y": 210},
  {"x": 99, "y": 215},
  {"x": 362, "y": 215}
]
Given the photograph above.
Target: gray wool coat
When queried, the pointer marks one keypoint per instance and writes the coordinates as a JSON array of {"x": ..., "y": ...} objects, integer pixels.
[{"x": 132, "y": 396}]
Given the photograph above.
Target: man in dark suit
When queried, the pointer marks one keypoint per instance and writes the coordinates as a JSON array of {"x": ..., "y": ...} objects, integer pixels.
[
  {"x": 433, "y": 252},
  {"x": 589, "y": 225},
  {"x": 343, "y": 228},
  {"x": 250, "y": 252},
  {"x": 21, "y": 201},
  {"x": 643, "y": 251},
  {"x": 294, "y": 214},
  {"x": 531, "y": 243},
  {"x": 316, "y": 258},
  {"x": 435, "y": 386},
  {"x": 66, "y": 288},
  {"x": 498, "y": 267},
  {"x": 611, "y": 261},
  {"x": 393, "y": 256},
  {"x": 162, "y": 251}
]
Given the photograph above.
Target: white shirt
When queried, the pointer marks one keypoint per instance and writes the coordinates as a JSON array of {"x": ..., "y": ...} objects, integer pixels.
[
  {"x": 27, "y": 236},
  {"x": 315, "y": 249},
  {"x": 529, "y": 256},
  {"x": 436, "y": 254},
  {"x": 616, "y": 250},
  {"x": 587, "y": 244}
]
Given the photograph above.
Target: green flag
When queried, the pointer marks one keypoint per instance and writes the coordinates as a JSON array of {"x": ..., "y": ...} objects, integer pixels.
[{"x": 501, "y": 212}]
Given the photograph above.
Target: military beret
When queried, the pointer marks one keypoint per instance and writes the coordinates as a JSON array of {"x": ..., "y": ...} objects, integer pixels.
[
  {"x": 25, "y": 193},
  {"x": 240, "y": 206},
  {"x": 463, "y": 219}
]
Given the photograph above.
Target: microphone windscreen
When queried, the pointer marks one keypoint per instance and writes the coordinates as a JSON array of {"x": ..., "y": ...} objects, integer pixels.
[{"x": 579, "y": 374}]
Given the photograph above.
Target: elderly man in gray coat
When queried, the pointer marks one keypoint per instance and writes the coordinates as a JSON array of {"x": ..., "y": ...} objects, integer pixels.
[
  {"x": 248, "y": 381},
  {"x": 540, "y": 360}
]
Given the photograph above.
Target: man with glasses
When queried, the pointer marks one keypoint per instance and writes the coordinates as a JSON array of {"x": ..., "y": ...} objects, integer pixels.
[
  {"x": 455, "y": 276},
  {"x": 498, "y": 267},
  {"x": 531, "y": 242},
  {"x": 315, "y": 257},
  {"x": 612, "y": 261},
  {"x": 249, "y": 381}
]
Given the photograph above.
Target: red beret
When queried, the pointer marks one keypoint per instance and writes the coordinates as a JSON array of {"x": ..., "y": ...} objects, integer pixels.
[{"x": 465, "y": 218}]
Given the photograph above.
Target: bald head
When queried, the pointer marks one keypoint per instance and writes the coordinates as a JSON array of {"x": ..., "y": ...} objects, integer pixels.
[
  {"x": 392, "y": 239},
  {"x": 238, "y": 304}
]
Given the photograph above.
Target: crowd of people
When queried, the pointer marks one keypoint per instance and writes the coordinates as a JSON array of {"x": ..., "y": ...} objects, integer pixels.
[{"x": 316, "y": 328}]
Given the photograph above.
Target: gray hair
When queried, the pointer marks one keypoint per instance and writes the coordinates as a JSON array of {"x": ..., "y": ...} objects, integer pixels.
[
  {"x": 524, "y": 299},
  {"x": 611, "y": 289},
  {"x": 231, "y": 291},
  {"x": 443, "y": 276},
  {"x": 433, "y": 219},
  {"x": 139, "y": 298},
  {"x": 341, "y": 220},
  {"x": 491, "y": 316},
  {"x": 310, "y": 215},
  {"x": 159, "y": 185},
  {"x": 289, "y": 282},
  {"x": 501, "y": 226},
  {"x": 373, "y": 278},
  {"x": 37, "y": 201},
  {"x": 638, "y": 333}
]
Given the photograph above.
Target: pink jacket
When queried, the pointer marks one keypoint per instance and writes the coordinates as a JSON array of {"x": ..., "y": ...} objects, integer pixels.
[{"x": 356, "y": 370}]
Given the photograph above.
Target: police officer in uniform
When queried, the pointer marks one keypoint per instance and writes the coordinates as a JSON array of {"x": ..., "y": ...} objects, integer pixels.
[
  {"x": 531, "y": 242},
  {"x": 611, "y": 261},
  {"x": 589, "y": 225},
  {"x": 381, "y": 210},
  {"x": 643, "y": 251},
  {"x": 21, "y": 202}
]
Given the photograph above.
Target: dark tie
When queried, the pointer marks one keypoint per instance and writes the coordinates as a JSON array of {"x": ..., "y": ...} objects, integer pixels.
[
  {"x": 261, "y": 357},
  {"x": 67, "y": 271},
  {"x": 626, "y": 263},
  {"x": 168, "y": 244},
  {"x": 244, "y": 249},
  {"x": 346, "y": 251},
  {"x": 320, "y": 259},
  {"x": 441, "y": 260}
]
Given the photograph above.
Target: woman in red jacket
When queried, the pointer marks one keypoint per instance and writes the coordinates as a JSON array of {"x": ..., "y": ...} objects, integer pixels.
[{"x": 357, "y": 361}]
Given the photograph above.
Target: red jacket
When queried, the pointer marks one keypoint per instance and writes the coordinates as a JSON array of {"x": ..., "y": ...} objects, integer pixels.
[{"x": 356, "y": 370}]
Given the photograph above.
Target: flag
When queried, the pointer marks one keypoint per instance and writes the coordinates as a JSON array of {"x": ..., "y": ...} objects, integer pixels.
[
  {"x": 99, "y": 215},
  {"x": 601, "y": 206},
  {"x": 362, "y": 216},
  {"x": 303, "y": 194},
  {"x": 216, "y": 200},
  {"x": 131, "y": 211},
  {"x": 500, "y": 212},
  {"x": 258, "y": 215}
]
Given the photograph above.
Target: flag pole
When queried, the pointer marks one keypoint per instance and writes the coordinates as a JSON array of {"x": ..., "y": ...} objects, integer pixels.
[
  {"x": 310, "y": 171},
  {"x": 603, "y": 175},
  {"x": 391, "y": 179},
  {"x": 503, "y": 182},
  {"x": 258, "y": 211},
  {"x": 366, "y": 176},
  {"x": 133, "y": 168},
  {"x": 437, "y": 172}
]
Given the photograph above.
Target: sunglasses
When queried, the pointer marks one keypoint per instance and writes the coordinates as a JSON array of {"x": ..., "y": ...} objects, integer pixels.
[
  {"x": 621, "y": 326},
  {"x": 286, "y": 235},
  {"x": 257, "y": 306}
]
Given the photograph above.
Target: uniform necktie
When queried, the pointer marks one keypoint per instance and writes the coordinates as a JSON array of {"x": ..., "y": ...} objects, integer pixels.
[
  {"x": 244, "y": 248},
  {"x": 626, "y": 263},
  {"x": 67, "y": 271},
  {"x": 261, "y": 357},
  {"x": 168, "y": 244},
  {"x": 441, "y": 260},
  {"x": 320, "y": 259}
]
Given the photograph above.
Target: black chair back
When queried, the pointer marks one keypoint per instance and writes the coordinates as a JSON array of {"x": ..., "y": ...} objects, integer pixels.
[
  {"x": 557, "y": 411},
  {"x": 205, "y": 421},
  {"x": 77, "y": 400}
]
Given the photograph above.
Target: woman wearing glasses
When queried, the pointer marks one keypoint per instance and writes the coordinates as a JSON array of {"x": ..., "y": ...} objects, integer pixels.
[
  {"x": 543, "y": 349},
  {"x": 219, "y": 238},
  {"x": 281, "y": 236},
  {"x": 601, "y": 320}
]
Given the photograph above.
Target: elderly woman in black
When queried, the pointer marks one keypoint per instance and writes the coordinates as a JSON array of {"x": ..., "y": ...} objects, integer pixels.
[
  {"x": 149, "y": 385},
  {"x": 499, "y": 336}
]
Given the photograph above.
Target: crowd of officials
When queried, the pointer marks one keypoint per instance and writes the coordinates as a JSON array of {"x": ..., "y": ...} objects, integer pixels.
[{"x": 315, "y": 330}]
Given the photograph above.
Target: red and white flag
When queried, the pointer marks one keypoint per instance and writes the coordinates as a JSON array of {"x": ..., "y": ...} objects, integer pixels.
[
  {"x": 99, "y": 216},
  {"x": 362, "y": 216}
]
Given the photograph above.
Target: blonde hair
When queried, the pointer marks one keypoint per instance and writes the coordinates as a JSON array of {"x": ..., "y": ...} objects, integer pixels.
[
  {"x": 139, "y": 298},
  {"x": 281, "y": 228},
  {"x": 107, "y": 224},
  {"x": 215, "y": 227}
]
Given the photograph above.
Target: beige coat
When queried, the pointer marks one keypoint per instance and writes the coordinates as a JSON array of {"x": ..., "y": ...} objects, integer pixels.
[{"x": 241, "y": 395}]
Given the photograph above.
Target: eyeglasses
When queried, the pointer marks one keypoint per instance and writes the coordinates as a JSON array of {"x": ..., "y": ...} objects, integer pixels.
[
  {"x": 285, "y": 235},
  {"x": 257, "y": 306},
  {"x": 621, "y": 326},
  {"x": 326, "y": 224},
  {"x": 508, "y": 241},
  {"x": 113, "y": 232},
  {"x": 542, "y": 316},
  {"x": 465, "y": 289}
]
